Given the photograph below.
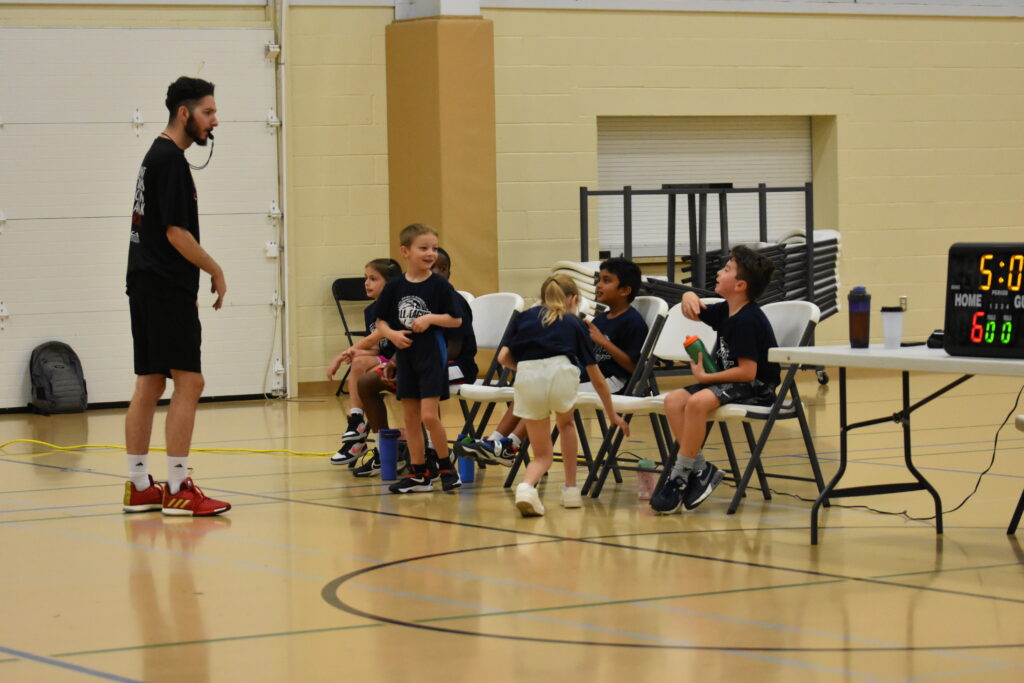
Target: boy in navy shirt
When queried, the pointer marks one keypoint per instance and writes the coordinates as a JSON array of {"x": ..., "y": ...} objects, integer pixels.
[
  {"x": 744, "y": 337},
  {"x": 413, "y": 310}
]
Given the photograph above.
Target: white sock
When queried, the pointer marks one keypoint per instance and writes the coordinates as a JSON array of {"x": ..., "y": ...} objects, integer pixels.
[
  {"x": 177, "y": 472},
  {"x": 138, "y": 471},
  {"x": 430, "y": 442},
  {"x": 516, "y": 441},
  {"x": 496, "y": 436},
  {"x": 355, "y": 411}
]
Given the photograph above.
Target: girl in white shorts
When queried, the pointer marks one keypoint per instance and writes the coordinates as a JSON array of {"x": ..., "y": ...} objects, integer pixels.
[{"x": 545, "y": 346}]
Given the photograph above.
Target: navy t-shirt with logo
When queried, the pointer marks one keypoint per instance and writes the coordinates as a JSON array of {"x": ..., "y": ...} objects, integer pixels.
[
  {"x": 628, "y": 330},
  {"x": 165, "y": 194},
  {"x": 403, "y": 301},
  {"x": 747, "y": 334}
]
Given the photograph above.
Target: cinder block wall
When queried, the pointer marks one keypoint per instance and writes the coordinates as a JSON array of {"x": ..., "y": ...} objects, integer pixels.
[{"x": 927, "y": 136}]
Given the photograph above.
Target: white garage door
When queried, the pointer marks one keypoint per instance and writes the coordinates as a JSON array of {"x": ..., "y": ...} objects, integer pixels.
[
  {"x": 69, "y": 157},
  {"x": 647, "y": 152}
]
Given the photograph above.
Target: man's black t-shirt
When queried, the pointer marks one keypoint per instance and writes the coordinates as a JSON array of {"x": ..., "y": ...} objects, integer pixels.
[
  {"x": 627, "y": 331},
  {"x": 530, "y": 339},
  {"x": 164, "y": 195},
  {"x": 402, "y": 302},
  {"x": 384, "y": 346},
  {"x": 747, "y": 334}
]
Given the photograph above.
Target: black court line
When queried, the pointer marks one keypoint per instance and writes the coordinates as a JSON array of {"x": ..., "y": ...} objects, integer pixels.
[
  {"x": 695, "y": 556},
  {"x": 329, "y": 594}
]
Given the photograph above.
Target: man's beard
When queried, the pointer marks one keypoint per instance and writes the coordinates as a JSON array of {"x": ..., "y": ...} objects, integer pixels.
[{"x": 192, "y": 130}]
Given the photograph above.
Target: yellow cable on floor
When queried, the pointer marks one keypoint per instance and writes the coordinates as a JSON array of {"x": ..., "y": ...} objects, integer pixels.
[{"x": 191, "y": 450}]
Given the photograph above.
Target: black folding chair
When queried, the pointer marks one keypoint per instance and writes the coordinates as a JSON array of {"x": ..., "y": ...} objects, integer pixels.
[{"x": 348, "y": 290}]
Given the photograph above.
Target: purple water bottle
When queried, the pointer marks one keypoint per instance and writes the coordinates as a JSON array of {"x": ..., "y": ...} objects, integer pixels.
[{"x": 860, "y": 317}]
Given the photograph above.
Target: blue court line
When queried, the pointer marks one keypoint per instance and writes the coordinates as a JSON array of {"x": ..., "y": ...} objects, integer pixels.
[{"x": 96, "y": 673}]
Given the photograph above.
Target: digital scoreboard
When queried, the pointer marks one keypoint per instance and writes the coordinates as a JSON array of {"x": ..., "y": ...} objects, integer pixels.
[{"x": 985, "y": 300}]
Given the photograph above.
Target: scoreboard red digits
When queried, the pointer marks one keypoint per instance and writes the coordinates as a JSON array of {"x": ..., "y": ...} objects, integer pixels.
[{"x": 985, "y": 300}]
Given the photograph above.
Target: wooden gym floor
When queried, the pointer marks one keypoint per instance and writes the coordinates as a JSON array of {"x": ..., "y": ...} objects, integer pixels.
[{"x": 317, "y": 576}]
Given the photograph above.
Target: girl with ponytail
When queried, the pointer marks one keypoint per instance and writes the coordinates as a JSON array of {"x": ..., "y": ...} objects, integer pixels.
[{"x": 545, "y": 346}]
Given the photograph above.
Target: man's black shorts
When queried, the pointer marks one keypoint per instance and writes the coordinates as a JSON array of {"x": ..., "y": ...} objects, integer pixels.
[
  {"x": 166, "y": 332},
  {"x": 755, "y": 393}
]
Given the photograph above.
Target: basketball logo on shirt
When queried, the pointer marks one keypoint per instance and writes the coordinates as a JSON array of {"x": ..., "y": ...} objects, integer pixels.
[
  {"x": 139, "y": 207},
  {"x": 723, "y": 355},
  {"x": 410, "y": 308}
]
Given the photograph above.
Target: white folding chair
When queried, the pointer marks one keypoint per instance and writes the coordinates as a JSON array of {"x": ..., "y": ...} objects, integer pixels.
[
  {"x": 793, "y": 323},
  {"x": 492, "y": 314},
  {"x": 466, "y": 295}
]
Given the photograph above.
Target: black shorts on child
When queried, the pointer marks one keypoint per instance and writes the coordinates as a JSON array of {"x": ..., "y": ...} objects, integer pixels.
[
  {"x": 422, "y": 370},
  {"x": 755, "y": 393}
]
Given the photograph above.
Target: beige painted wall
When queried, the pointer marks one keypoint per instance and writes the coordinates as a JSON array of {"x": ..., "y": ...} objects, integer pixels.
[
  {"x": 926, "y": 146},
  {"x": 338, "y": 168}
]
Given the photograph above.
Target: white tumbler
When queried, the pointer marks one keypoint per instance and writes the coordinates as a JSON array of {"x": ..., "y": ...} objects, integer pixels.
[{"x": 892, "y": 326}]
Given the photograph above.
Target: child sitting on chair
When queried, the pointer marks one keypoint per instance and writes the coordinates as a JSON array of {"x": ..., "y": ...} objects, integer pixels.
[
  {"x": 364, "y": 356},
  {"x": 746, "y": 376}
]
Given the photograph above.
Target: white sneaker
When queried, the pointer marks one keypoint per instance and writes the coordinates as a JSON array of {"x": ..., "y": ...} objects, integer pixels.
[
  {"x": 571, "y": 497},
  {"x": 528, "y": 501}
]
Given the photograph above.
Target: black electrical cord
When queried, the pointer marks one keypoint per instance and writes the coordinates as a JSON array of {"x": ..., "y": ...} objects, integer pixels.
[{"x": 904, "y": 513}]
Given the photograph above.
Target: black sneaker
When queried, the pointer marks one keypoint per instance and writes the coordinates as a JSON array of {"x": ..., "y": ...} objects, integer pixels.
[
  {"x": 700, "y": 485},
  {"x": 412, "y": 483},
  {"x": 430, "y": 456},
  {"x": 368, "y": 465},
  {"x": 669, "y": 499},
  {"x": 357, "y": 429},
  {"x": 349, "y": 452},
  {"x": 448, "y": 474}
]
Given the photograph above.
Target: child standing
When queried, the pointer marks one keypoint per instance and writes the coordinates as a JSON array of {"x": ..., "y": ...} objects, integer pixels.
[
  {"x": 411, "y": 312},
  {"x": 744, "y": 337},
  {"x": 364, "y": 356},
  {"x": 618, "y": 336},
  {"x": 544, "y": 346}
]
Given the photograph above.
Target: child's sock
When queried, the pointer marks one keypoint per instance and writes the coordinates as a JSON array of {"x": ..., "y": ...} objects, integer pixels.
[
  {"x": 681, "y": 470},
  {"x": 177, "y": 472},
  {"x": 699, "y": 462},
  {"x": 355, "y": 411},
  {"x": 496, "y": 436},
  {"x": 516, "y": 441},
  {"x": 138, "y": 471}
]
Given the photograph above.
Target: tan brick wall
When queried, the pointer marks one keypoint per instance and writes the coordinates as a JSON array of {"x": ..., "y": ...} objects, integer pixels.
[
  {"x": 337, "y": 183},
  {"x": 929, "y": 112}
]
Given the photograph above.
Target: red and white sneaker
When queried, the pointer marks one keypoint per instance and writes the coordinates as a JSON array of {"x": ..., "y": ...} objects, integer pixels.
[
  {"x": 143, "y": 501},
  {"x": 192, "y": 502}
]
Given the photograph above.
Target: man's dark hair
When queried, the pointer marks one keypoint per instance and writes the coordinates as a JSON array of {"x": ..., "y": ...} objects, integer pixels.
[
  {"x": 627, "y": 272},
  {"x": 186, "y": 91},
  {"x": 753, "y": 268}
]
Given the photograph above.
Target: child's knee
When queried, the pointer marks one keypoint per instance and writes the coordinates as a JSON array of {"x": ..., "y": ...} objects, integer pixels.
[
  {"x": 677, "y": 400},
  {"x": 702, "y": 403}
]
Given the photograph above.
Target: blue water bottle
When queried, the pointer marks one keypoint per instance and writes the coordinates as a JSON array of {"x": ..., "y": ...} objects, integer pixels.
[
  {"x": 467, "y": 470},
  {"x": 387, "y": 447}
]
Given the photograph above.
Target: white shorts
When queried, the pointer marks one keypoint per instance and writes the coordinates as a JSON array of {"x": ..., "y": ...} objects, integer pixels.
[{"x": 545, "y": 386}]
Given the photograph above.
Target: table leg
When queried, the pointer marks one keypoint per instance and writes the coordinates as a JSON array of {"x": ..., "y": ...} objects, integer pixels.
[
  {"x": 905, "y": 423},
  {"x": 842, "y": 458}
]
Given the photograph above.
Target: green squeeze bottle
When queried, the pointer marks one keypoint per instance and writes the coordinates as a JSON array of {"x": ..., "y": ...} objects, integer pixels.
[{"x": 694, "y": 346}]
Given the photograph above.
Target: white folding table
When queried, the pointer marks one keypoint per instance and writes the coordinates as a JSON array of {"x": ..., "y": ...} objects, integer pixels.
[{"x": 904, "y": 360}]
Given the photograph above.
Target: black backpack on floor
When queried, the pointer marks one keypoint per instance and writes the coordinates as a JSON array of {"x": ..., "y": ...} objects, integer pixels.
[{"x": 58, "y": 383}]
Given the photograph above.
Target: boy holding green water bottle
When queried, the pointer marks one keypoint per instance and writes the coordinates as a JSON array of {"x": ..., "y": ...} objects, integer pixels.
[{"x": 743, "y": 374}]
